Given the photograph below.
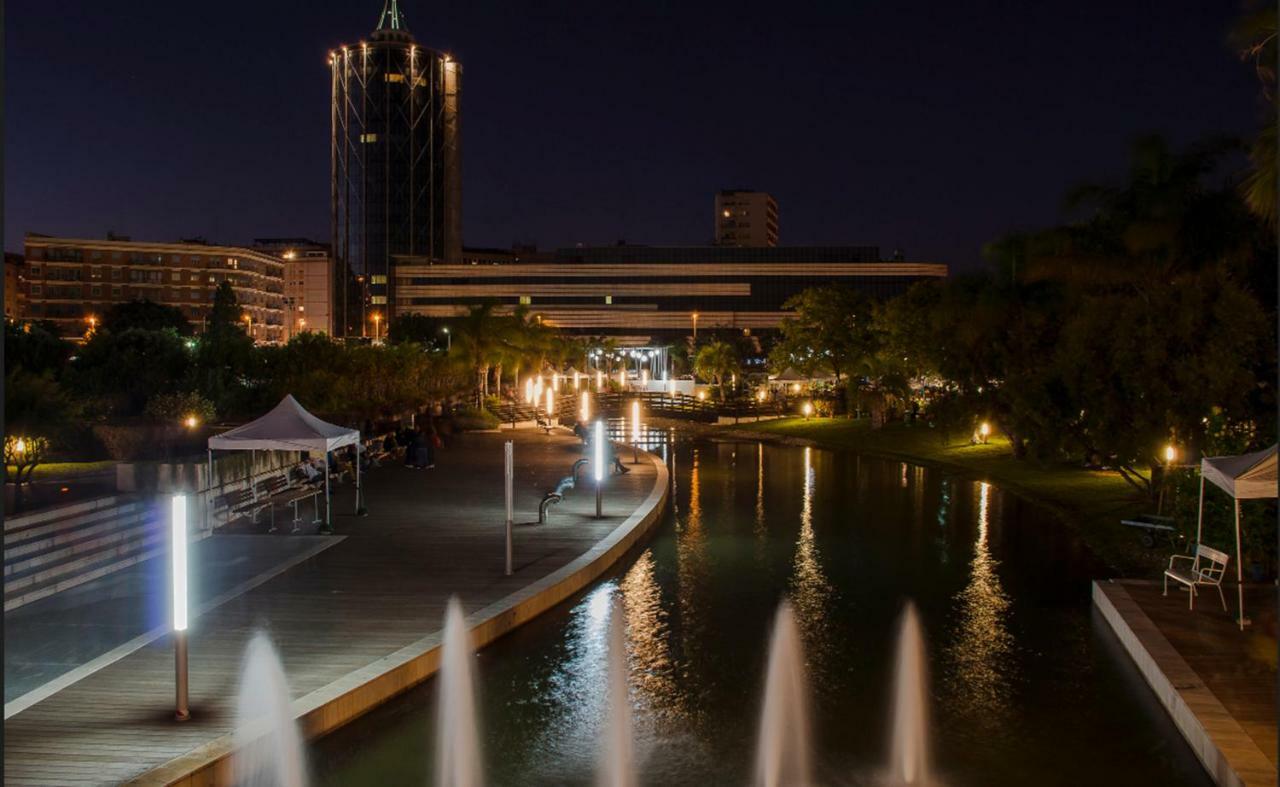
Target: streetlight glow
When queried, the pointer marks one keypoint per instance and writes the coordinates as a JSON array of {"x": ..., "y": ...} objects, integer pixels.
[
  {"x": 179, "y": 562},
  {"x": 191, "y": 421},
  {"x": 644, "y": 377},
  {"x": 551, "y": 402},
  {"x": 807, "y": 409},
  {"x": 528, "y": 391},
  {"x": 635, "y": 420},
  {"x": 1170, "y": 454},
  {"x": 598, "y": 463},
  {"x": 585, "y": 411},
  {"x": 599, "y": 380}
]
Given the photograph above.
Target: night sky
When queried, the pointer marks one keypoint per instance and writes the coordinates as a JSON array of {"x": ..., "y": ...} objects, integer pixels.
[{"x": 931, "y": 127}]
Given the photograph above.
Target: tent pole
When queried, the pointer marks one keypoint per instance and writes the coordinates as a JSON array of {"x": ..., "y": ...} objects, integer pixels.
[
  {"x": 358, "y": 445},
  {"x": 1239, "y": 567},
  {"x": 1200, "y": 518},
  {"x": 328, "y": 500}
]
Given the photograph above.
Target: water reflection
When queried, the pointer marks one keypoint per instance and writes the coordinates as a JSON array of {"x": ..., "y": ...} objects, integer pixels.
[
  {"x": 982, "y": 647},
  {"x": 652, "y": 669},
  {"x": 692, "y": 572},
  {"x": 809, "y": 589},
  {"x": 760, "y": 530}
]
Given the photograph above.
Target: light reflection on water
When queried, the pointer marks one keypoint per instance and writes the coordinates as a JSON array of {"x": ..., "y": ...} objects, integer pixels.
[
  {"x": 1025, "y": 693},
  {"x": 983, "y": 669}
]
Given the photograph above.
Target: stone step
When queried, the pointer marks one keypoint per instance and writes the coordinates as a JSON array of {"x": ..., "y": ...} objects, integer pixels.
[
  {"x": 126, "y": 556},
  {"x": 44, "y": 537},
  {"x": 81, "y": 541}
]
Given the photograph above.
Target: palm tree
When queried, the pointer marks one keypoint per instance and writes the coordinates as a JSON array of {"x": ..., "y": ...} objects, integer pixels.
[
  {"x": 715, "y": 361},
  {"x": 476, "y": 342},
  {"x": 1254, "y": 36}
]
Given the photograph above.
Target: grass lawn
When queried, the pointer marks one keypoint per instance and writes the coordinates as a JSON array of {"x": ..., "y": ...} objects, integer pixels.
[
  {"x": 1091, "y": 502},
  {"x": 58, "y": 470}
]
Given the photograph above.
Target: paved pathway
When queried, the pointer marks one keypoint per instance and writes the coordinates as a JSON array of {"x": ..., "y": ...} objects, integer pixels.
[{"x": 429, "y": 534}]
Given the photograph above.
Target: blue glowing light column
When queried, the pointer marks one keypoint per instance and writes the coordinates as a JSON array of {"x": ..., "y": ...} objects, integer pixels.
[
  {"x": 598, "y": 465},
  {"x": 179, "y": 548}
]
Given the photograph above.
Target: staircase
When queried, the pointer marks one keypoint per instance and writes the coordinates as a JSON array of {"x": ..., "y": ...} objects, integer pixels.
[{"x": 59, "y": 548}]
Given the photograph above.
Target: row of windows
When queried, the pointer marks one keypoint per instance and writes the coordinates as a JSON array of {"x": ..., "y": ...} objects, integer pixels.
[{"x": 58, "y": 254}]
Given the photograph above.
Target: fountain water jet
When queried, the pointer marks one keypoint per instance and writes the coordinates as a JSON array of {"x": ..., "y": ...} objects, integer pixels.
[
  {"x": 457, "y": 741},
  {"x": 783, "y": 752},
  {"x": 909, "y": 755},
  {"x": 268, "y": 746},
  {"x": 617, "y": 768}
]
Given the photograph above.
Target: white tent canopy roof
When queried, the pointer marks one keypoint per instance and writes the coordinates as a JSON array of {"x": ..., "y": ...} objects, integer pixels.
[
  {"x": 288, "y": 427},
  {"x": 1244, "y": 477}
]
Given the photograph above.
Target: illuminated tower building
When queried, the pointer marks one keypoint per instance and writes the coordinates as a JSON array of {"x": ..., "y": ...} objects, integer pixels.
[{"x": 395, "y": 159}]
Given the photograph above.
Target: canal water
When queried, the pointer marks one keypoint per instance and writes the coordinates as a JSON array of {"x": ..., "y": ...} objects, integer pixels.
[{"x": 1027, "y": 684}]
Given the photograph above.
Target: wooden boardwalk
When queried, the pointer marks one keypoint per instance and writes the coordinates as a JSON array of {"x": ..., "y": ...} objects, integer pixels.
[
  {"x": 1217, "y": 682},
  {"x": 429, "y": 534}
]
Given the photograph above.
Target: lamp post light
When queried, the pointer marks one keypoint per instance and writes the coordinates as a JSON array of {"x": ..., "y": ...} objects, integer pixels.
[
  {"x": 1170, "y": 456},
  {"x": 508, "y": 483},
  {"x": 93, "y": 324},
  {"x": 448, "y": 339},
  {"x": 598, "y": 468},
  {"x": 622, "y": 379},
  {"x": 248, "y": 319},
  {"x": 377, "y": 319},
  {"x": 807, "y": 409},
  {"x": 528, "y": 391},
  {"x": 551, "y": 406},
  {"x": 635, "y": 431},
  {"x": 179, "y": 548},
  {"x": 694, "y": 317},
  {"x": 984, "y": 431},
  {"x": 191, "y": 422},
  {"x": 599, "y": 380},
  {"x": 585, "y": 411},
  {"x": 576, "y": 376}
]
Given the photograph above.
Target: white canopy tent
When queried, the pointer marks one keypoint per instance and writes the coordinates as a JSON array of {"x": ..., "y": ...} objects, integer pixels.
[
  {"x": 289, "y": 427},
  {"x": 1244, "y": 477}
]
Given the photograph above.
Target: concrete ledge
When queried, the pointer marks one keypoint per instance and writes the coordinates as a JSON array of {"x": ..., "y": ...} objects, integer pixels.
[
  {"x": 1227, "y": 752},
  {"x": 351, "y": 696}
]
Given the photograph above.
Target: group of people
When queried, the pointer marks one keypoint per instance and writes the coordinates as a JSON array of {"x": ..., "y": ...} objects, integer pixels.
[{"x": 419, "y": 446}]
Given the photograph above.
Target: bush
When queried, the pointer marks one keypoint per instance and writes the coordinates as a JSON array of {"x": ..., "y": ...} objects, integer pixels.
[
  {"x": 471, "y": 419},
  {"x": 178, "y": 407}
]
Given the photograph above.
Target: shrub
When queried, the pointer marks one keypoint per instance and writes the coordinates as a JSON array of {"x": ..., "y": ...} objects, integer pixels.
[{"x": 470, "y": 419}]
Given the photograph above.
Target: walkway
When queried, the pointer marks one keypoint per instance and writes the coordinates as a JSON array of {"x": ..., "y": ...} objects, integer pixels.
[
  {"x": 1217, "y": 682},
  {"x": 356, "y": 613}
]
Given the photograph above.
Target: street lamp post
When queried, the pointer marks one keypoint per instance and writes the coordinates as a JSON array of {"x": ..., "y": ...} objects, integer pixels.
[
  {"x": 179, "y": 549},
  {"x": 598, "y": 467},
  {"x": 448, "y": 339},
  {"x": 695, "y": 327}
]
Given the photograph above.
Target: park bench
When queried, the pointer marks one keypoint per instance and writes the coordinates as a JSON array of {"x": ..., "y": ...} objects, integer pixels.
[
  {"x": 276, "y": 490},
  {"x": 234, "y": 504},
  {"x": 1153, "y": 527},
  {"x": 1208, "y": 567}
]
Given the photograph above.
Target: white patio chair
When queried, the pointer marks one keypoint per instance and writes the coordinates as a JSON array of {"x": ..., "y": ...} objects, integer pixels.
[{"x": 1207, "y": 568}]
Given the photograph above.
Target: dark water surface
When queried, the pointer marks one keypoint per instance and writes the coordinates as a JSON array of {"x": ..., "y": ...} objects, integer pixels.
[{"x": 1028, "y": 685}]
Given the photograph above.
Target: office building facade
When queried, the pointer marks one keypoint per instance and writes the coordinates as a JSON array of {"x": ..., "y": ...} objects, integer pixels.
[
  {"x": 395, "y": 157},
  {"x": 14, "y": 283},
  {"x": 644, "y": 293},
  {"x": 308, "y": 283},
  {"x": 746, "y": 218},
  {"x": 69, "y": 281}
]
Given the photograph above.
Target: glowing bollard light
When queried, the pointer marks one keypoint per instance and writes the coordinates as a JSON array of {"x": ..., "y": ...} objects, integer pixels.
[
  {"x": 1170, "y": 454},
  {"x": 551, "y": 404},
  {"x": 555, "y": 382},
  {"x": 636, "y": 432},
  {"x": 597, "y": 465},
  {"x": 807, "y": 409},
  {"x": 584, "y": 413},
  {"x": 528, "y": 391},
  {"x": 622, "y": 379},
  {"x": 985, "y": 431},
  {"x": 179, "y": 549},
  {"x": 537, "y": 392},
  {"x": 599, "y": 380},
  {"x": 702, "y": 396},
  {"x": 575, "y": 380},
  {"x": 644, "y": 378}
]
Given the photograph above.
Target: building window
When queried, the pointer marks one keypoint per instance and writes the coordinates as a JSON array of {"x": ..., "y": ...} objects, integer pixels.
[
  {"x": 115, "y": 255},
  {"x": 367, "y": 138},
  {"x": 115, "y": 274},
  {"x": 35, "y": 289},
  {"x": 394, "y": 77},
  {"x": 96, "y": 291},
  {"x": 177, "y": 276},
  {"x": 115, "y": 292},
  {"x": 97, "y": 255},
  {"x": 379, "y": 299},
  {"x": 608, "y": 299},
  {"x": 375, "y": 279},
  {"x": 525, "y": 300},
  {"x": 34, "y": 269}
]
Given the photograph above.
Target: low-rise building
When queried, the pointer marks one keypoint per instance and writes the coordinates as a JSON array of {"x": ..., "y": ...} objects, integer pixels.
[
  {"x": 70, "y": 281},
  {"x": 308, "y": 283},
  {"x": 14, "y": 276},
  {"x": 651, "y": 292}
]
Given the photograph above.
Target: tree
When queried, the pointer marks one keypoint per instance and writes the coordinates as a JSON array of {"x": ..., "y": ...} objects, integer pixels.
[
  {"x": 36, "y": 405},
  {"x": 1254, "y": 37},
  {"x": 146, "y": 315},
  {"x": 476, "y": 343},
  {"x": 716, "y": 361},
  {"x": 35, "y": 348},
  {"x": 224, "y": 354},
  {"x": 129, "y": 367},
  {"x": 830, "y": 328},
  {"x": 418, "y": 328}
]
